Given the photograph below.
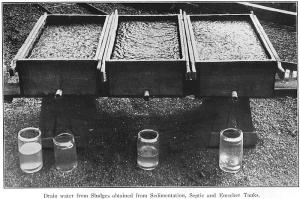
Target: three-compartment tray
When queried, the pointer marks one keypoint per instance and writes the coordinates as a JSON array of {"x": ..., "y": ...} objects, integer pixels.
[
  {"x": 61, "y": 52},
  {"x": 147, "y": 54},
  {"x": 232, "y": 53}
]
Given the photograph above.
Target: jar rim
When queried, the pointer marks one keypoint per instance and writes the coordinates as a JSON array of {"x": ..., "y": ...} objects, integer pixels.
[
  {"x": 63, "y": 143},
  {"x": 237, "y": 138},
  {"x": 35, "y": 138},
  {"x": 148, "y": 140}
]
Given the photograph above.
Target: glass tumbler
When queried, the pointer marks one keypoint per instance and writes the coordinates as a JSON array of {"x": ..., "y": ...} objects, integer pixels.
[
  {"x": 30, "y": 150},
  {"x": 148, "y": 149},
  {"x": 231, "y": 150},
  {"x": 65, "y": 152}
]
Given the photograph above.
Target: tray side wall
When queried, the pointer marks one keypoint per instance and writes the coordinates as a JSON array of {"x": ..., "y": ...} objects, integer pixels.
[
  {"x": 132, "y": 78},
  {"x": 44, "y": 77},
  {"x": 64, "y": 19},
  {"x": 253, "y": 79}
]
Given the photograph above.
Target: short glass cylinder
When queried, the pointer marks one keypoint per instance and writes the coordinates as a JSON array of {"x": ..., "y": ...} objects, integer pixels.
[
  {"x": 30, "y": 150},
  {"x": 231, "y": 150},
  {"x": 65, "y": 152},
  {"x": 148, "y": 149}
]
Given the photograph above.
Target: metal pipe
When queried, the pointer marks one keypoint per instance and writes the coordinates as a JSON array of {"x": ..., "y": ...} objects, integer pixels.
[
  {"x": 234, "y": 96},
  {"x": 146, "y": 95},
  {"x": 58, "y": 94}
]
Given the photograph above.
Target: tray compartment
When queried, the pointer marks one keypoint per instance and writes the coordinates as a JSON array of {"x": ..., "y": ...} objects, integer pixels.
[
  {"x": 231, "y": 55},
  {"x": 62, "y": 55},
  {"x": 147, "y": 54}
]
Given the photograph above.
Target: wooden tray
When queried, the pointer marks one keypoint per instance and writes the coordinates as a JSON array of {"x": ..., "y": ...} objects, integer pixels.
[
  {"x": 252, "y": 78},
  {"x": 161, "y": 77},
  {"x": 40, "y": 77}
]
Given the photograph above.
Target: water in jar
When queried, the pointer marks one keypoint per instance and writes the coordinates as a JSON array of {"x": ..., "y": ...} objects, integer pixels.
[
  {"x": 147, "y": 157},
  {"x": 231, "y": 152},
  {"x": 65, "y": 157},
  {"x": 30, "y": 155}
]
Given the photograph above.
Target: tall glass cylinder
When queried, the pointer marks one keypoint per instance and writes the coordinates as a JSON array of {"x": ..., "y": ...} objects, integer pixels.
[
  {"x": 231, "y": 150},
  {"x": 30, "y": 150},
  {"x": 65, "y": 152},
  {"x": 148, "y": 149}
]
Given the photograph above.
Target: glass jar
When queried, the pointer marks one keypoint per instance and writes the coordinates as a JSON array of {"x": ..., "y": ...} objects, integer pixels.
[
  {"x": 148, "y": 149},
  {"x": 65, "y": 152},
  {"x": 231, "y": 150},
  {"x": 30, "y": 149}
]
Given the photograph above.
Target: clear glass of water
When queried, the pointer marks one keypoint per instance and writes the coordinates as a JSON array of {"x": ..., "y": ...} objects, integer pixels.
[
  {"x": 65, "y": 152},
  {"x": 231, "y": 150},
  {"x": 148, "y": 149},
  {"x": 30, "y": 150}
]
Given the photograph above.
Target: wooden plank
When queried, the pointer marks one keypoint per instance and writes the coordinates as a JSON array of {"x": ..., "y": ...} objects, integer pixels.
[
  {"x": 189, "y": 46},
  {"x": 192, "y": 37},
  {"x": 261, "y": 36},
  {"x": 183, "y": 45},
  {"x": 102, "y": 87},
  {"x": 33, "y": 32},
  {"x": 101, "y": 38},
  {"x": 109, "y": 47},
  {"x": 113, "y": 36},
  {"x": 41, "y": 77},
  {"x": 160, "y": 78},
  {"x": 27, "y": 45},
  {"x": 276, "y": 56},
  {"x": 33, "y": 37},
  {"x": 264, "y": 37},
  {"x": 105, "y": 43},
  {"x": 101, "y": 48},
  {"x": 249, "y": 79}
]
